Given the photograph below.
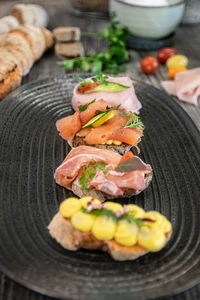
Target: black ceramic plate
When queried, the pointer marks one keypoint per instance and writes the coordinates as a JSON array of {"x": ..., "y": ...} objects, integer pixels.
[{"x": 30, "y": 151}]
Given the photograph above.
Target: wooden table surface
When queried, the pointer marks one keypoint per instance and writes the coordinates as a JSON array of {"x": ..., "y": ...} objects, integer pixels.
[{"x": 187, "y": 42}]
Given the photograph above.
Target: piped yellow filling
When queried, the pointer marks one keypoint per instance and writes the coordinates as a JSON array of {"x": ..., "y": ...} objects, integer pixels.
[{"x": 147, "y": 229}]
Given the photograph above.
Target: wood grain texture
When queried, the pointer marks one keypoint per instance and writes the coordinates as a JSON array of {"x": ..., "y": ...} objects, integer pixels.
[{"x": 187, "y": 42}]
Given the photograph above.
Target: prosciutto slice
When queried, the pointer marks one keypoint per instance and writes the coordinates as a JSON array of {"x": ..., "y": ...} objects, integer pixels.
[
  {"x": 126, "y": 98},
  {"x": 186, "y": 86},
  {"x": 112, "y": 182},
  {"x": 66, "y": 173}
]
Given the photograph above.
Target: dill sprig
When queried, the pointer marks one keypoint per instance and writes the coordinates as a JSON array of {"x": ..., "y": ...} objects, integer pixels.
[
  {"x": 133, "y": 122},
  {"x": 129, "y": 217},
  {"x": 102, "y": 212}
]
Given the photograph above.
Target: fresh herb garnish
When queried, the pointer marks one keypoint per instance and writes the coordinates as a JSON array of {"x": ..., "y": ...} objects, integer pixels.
[
  {"x": 102, "y": 212},
  {"x": 85, "y": 106},
  {"x": 133, "y": 122},
  {"x": 100, "y": 78},
  {"x": 110, "y": 60},
  {"x": 129, "y": 217},
  {"x": 107, "y": 110},
  {"x": 89, "y": 171}
]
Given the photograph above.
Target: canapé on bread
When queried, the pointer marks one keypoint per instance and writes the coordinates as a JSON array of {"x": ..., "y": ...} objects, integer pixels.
[
  {"x": 124, "y": 232},
  {"x": 92, "y": 171}
]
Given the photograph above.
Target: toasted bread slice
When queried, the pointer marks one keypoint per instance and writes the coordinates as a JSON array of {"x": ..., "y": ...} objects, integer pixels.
[
  {"x": 72, "y": 239},
  {"x": 67, "y": 34},
  {"x": 69, "y": 50},
  {"x": 121, "y": 149},
  {"x": 77, "y": 190}
]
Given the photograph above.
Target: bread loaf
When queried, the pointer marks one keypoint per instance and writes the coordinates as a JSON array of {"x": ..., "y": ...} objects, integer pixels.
[
  {"x": 30, "y": 14},
  {"x": 18, "y": 46},
  {"x": 8, "y": 23},
  {"x": 10, "y": 77},
  {"x": 35, "y": 39},
  {"x": 19, "y": 49}
]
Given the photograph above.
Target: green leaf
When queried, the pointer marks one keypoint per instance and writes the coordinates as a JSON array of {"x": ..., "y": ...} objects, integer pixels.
[
  {"x": 85, "y": 106},
  {"x": 68, "y": 64},
  {"x": 85, "y": 66},
  {"x": 97, "y": 66},
  {"x": 84, "y": 182},
  {"x": 91, "y": 173},
  {"x": 131, "y": 164}
]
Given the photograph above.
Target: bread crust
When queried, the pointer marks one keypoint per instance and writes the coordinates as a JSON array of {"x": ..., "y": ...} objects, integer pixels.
[
  {"x": 72, "y": 239},
  {"x": 10, "y": 78}
]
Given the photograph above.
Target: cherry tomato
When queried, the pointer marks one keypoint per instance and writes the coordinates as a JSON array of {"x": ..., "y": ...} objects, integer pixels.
[
  {"x": 126, "y": 156},
  {"x": 177, "y": 61},
  {"x": 172, "y": 71},
  {"x": 87, "y": 87},
  {"x": 149, "y": 64},
  {"x": 165, "y": 53}
]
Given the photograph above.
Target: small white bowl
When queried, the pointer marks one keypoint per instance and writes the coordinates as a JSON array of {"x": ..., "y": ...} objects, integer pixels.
[{"x": 153, "y": 20}]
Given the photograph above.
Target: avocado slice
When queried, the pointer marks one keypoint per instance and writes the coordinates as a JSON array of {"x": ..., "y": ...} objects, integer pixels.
[{"x": 110, "y": 87}]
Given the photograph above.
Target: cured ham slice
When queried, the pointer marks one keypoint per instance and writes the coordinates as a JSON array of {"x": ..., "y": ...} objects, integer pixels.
[
  {"x": 126, "y": 98},
  {"x": 109, "y": 181},
  {"x": 80, "y": 156},
  {"x": 186, "y": 86}
]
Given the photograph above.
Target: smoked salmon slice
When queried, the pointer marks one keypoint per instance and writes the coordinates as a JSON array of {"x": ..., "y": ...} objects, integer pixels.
[{"x": 69, "y": 126}]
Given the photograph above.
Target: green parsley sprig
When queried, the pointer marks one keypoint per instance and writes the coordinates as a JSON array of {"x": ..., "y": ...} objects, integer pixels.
[
  {"x": 85, "y": 106},
  {"x": 110, "y": 60},
  {"x": 89, "y": 171}
]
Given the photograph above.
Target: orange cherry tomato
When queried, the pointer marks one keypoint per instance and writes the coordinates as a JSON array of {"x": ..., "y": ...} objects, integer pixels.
[
  {"x": 149, "y": 64},
  {"x": 172, "y": 71},
  {"x": 165, "y": 53},
  {"x": 126, "y": 156}
]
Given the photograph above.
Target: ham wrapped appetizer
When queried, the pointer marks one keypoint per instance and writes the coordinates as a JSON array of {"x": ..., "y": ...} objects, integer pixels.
[
  {"x": 103, "y": 174},
  {"x": 114, "y": 90},
  {"x": 125, "y": 232}
]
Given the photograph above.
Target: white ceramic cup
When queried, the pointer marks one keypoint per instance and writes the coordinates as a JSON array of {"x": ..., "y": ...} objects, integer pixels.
[{"x": 151, "y": 19}]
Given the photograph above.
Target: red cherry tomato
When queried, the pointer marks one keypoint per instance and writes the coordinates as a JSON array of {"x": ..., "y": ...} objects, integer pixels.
[
  {"x": 126, "y": 156},
  {"x": 165, "y": 53},
  {"x": 149, "y": 64},
  {"x": 87, "y": 87}
]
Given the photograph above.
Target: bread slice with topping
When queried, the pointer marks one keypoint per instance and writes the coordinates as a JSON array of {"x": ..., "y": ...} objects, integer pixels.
[{"x": 125, "y": 232}]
